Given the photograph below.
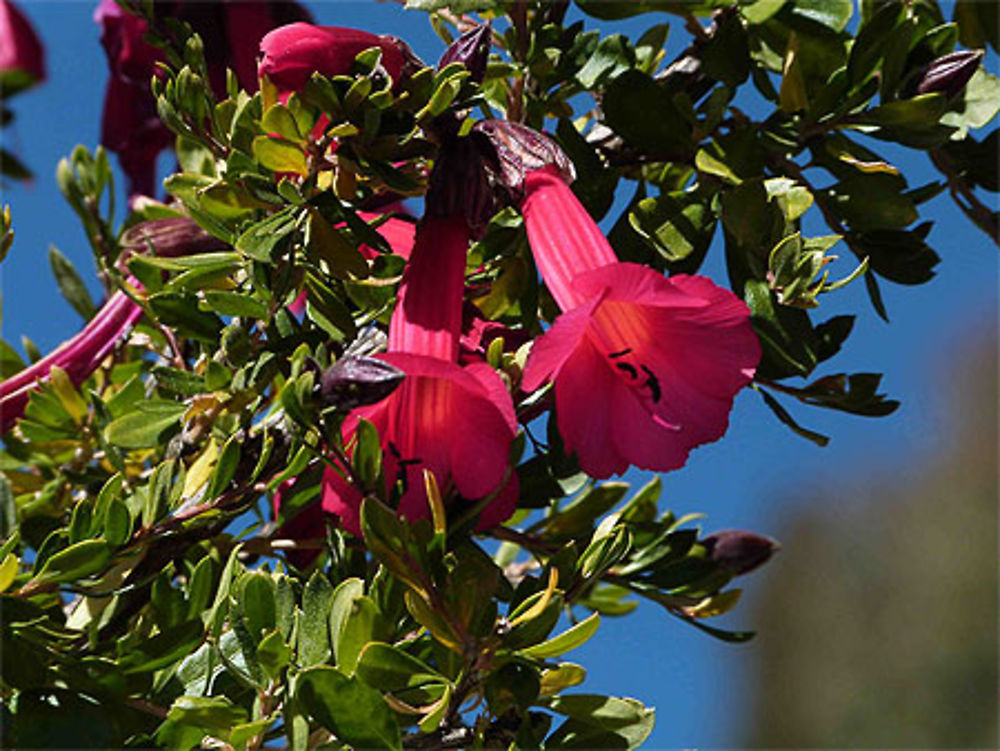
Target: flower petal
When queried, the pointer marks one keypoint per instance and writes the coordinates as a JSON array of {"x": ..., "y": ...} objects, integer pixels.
[
  {"x": 584, "y": 410},
  {"x": 550, "y": 351}
]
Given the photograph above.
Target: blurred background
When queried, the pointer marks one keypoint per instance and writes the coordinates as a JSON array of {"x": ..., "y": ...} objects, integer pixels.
[{"x": 877, "y": 622}]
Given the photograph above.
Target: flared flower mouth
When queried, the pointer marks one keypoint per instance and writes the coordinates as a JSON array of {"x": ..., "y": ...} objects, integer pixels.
[
  {"x": 456, "y": 422},
  {"x": 645, "y": 368}
]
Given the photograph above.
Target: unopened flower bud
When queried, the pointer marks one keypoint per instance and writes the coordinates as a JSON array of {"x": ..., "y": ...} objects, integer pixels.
[
  {"x": 517, "y": 150},
  {"x": 173, "y": 236},
  {"x": 460, "y": 187},
  {"x": 739, "y": 551},
  {"x": 355, "y": 381},
  {"x": 949, "y": 74},
  {"x": 472, "y": 50}
]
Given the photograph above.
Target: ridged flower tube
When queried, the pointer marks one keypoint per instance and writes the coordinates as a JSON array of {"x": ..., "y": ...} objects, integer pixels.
[
  {"x": 79, "y": 357},
  {"x": 644, "y": 367},
  {"x": 458, "y": 422}
]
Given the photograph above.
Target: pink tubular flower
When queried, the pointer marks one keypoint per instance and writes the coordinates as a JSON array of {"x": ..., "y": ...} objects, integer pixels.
[
  {"x": 645, "y": 367},
  {"x": 292, "y": 53},
  {"x": 231, "y": 32},
  {"x": 457, "y": 422},
  {"x": 79, "y": 357},
  {"x": 22, "y": 57}
]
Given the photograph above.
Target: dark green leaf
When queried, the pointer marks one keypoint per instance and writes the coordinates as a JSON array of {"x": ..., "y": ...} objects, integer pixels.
[
  {"x": 75, "y": 562},
  {"x": 354, "y": 712},
  {"x": 70, "y": 284},
  {"x": 782, "y": 414},
  {"x": 644, "y": 114},
  {"x": 145, "y": 426}
]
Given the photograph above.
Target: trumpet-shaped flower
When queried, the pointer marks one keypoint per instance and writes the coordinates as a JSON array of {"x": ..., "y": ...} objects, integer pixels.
[
  {"x": 456, "y": 422},
  {"x": 644, "y": 367},
  {"x": 79, "y": 357}
]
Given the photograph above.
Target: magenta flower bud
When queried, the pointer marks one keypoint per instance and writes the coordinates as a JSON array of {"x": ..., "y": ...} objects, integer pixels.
[
  {"x": 22, "y": 57},
  {"x": 173, "y": 236},
  {"x": 291, "y": 54},
  {"x": 517, "y": 150},
  {"x": 357, "y": 381},
  {"x": 472, "y": 50},
  {"x": 739, "y": 551},
  {"x": 949, "y": 74}
]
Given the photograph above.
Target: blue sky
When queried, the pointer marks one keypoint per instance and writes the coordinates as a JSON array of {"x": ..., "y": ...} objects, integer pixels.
[{"x": 754, "y": 478}]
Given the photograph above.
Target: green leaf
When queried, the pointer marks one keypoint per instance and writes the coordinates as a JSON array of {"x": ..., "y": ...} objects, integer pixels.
[
  {"x": 361, "y": 625},
  {"x": 10, "y": 361},
  {"x": 210, "y": 712},
  {"x": 225, "y": 468},
  {"x": 58, "y": 718},
  {"x": 979, "y": 104},
  {"x": 256, "y": 598},
  {"x": 70, "y": 284},
  {"x": 725, "y": 56},
  {"x": 279, "y": 120},
  {"x": 644, "y": 114},
  {"x": 181, "y": 311},
  {"x": 901, "y": 256},
  {"x": 166, "y": 648},
  {"x": 834, "y": 14},
  {"x": 323, "y": 241},
  {"x": 852, "y": 200},
  {"x": 870, "y": 45},
  {"x": 679, "y": 225},
  {"x": 264, "y": 240},
  {"x": 566, "y": 641},
  {"x": 235, "y": 304},
  {"x": 75, "y": 562},
  {"x": 314, "y": 634},
  {"x": 595, "y": 717},
  {"x": 782, "y": 414},
  {"x": 273, "y": 653},
  {"x": 145, "y": 426},
  {"x": 855, "y": 393},
  {"x": 579, "y": 515},
  {"x": 352, "y": 711},
  {"x": 280, "y": 155},
  {"x": 390, "y": 669},
  {"x": 613, "y": 55},
  {"x": 564, "y": 675}
]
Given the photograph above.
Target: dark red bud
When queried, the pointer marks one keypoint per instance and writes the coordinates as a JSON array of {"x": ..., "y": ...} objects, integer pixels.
[
  {"x": 949, "y": 74},
  {"x": 355, "y": 381},
  {"x": 174, "y": 236},
  {"x": 739, "y": 551},
  {"x": 459, "y": 185},
  {"x": 472, "y": 50},
  {"x": 517, "y": 150}
]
